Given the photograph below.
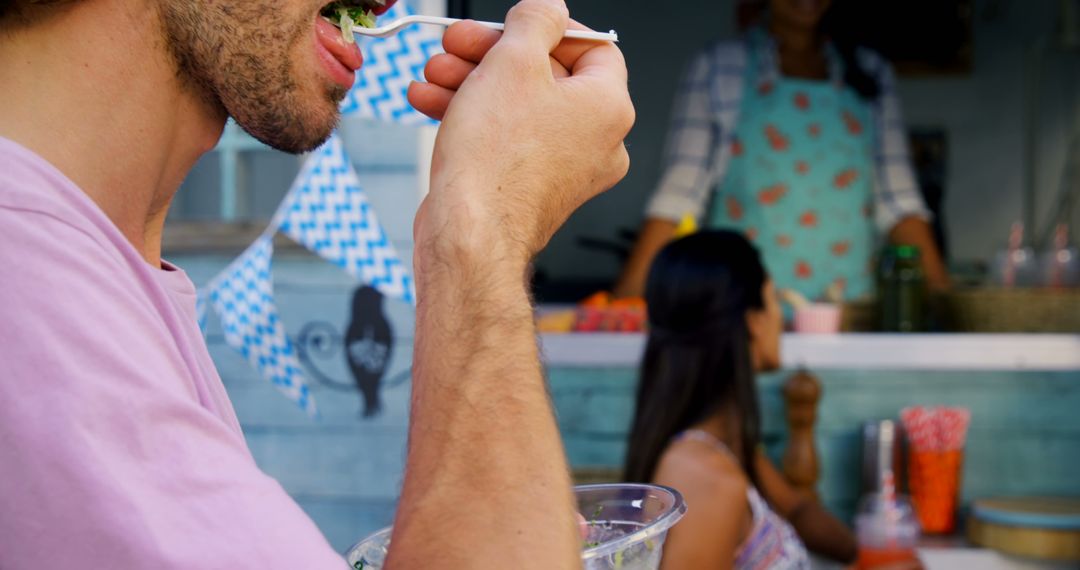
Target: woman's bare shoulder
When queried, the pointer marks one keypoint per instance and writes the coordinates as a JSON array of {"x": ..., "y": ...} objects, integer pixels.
[
  {"x": 718, "y": 517},
  {"x": 697, "y": 469}
]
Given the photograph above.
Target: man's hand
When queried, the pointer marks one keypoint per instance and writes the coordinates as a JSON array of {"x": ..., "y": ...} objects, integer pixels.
[{"x": 533, "y": 126}]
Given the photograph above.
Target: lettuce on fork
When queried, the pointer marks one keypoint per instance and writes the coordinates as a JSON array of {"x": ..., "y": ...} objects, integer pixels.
[{"x": 348, "y": 14}]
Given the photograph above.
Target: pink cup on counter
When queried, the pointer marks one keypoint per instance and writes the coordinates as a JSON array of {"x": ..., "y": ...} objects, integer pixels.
[{"x": 818, "y": 318}]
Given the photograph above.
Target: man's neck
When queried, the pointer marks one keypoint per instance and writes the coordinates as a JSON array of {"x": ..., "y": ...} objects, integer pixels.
[{"x": 93, "y": 90}]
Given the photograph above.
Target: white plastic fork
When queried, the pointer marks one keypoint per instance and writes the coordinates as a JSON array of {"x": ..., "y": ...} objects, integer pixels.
[{"x": 397, "y": 25}]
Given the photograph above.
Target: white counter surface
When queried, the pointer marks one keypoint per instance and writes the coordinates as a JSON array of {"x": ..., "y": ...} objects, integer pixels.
[
  {"x": 966, "y": 558},
  {"x": 852, "y": 351}
]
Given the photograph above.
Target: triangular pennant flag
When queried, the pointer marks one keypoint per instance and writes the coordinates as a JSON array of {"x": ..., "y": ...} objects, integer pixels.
[
  {"x": 243, "y": 296},
  {"x": 328, "y": 213}
]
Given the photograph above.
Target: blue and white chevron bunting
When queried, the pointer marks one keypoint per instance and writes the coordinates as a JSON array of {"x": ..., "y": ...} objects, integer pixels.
[
  {"x": 390, "y": 64},
  {"x": 327, "y": 212},
  {"x": 243, "y": 296}
]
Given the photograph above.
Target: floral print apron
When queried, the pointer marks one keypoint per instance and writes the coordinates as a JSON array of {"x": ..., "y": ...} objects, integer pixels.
[{"x": 800, "y": 182}]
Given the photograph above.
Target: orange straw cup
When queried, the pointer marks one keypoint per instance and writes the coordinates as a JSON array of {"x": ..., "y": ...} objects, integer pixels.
[
  {"x": 934, "y": 481},
  {"x": 935, "y": 457}
]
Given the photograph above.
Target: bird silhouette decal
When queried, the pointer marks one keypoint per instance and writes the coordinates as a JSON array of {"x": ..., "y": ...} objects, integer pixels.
[{"x": 367, "y": 345}]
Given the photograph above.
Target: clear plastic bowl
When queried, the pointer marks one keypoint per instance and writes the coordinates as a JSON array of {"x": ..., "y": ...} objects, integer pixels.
[
  {"x": 627, "y": 526},
  {"x": 370, "y": 553}
]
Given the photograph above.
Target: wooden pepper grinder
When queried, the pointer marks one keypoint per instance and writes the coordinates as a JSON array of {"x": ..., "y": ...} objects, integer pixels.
[{"x": 800, "y": 461}]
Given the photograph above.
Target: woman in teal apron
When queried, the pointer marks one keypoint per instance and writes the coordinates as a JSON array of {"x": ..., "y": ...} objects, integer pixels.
[
  {"x": 799, "y": 182},
  {"x": 799, "y": 144}
]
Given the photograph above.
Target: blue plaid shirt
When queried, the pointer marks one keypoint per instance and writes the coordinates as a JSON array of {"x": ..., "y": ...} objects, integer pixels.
[{"x": 706, "y": 112}]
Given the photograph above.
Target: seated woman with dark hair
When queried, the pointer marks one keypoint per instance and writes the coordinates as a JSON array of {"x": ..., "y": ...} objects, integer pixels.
[{"x": 715, "y": 322}]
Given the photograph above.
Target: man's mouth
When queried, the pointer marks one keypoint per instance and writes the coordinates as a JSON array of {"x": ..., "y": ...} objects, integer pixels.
[
  {"x": 335, "y": 44},
  {"x": 351, "y": 14},
  {"x": 339, "y": 58}
]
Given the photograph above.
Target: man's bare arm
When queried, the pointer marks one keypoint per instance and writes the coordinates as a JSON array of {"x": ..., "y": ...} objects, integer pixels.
[
  {"x": 531, "y": 130},
  {"x": 487, "y": 483}
]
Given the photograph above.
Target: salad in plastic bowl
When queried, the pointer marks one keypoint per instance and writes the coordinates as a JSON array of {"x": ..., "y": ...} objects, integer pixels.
[{"x": 627, "y": 525}]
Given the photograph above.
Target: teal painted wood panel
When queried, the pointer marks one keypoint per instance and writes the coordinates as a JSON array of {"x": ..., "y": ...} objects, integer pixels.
[
  {"x": 360, "y": 463},
  {"x": 1024, "y": 438},
  {"x": 344, "y": 521}
]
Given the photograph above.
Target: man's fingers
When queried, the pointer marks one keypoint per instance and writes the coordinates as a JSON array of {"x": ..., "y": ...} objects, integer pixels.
[
  {"x": 470, "y": 41},
  {"x": 570, "y": 50},
  {"x": 448, "y": 70},
  {"x": 535, "y": 27},
  {"x": 601, "y": 73},
  {"x": 557, "y": 69},
  {"x": 583, "y": 527},
  {"x": 604, "y": 61},
  {"x": 431, "y": 100}
]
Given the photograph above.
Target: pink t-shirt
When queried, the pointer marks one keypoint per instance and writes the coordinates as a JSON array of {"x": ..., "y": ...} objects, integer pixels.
[{"x": 119, "y": 447}]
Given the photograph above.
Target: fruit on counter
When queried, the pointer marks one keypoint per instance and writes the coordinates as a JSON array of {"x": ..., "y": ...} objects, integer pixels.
[
  {"x": 598, "y": 300},
  {"x": 601, "y": 313},
  {"x": 556, "y": 322}
]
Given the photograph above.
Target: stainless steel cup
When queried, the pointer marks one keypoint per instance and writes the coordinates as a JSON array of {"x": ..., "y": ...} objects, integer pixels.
[{"x": 880, "y": 455}]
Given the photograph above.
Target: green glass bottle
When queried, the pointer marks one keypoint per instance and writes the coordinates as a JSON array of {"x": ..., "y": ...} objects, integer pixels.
[{"x": 901, "y": 289}]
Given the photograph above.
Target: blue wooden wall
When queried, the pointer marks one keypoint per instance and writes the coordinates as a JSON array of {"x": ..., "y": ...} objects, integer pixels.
[{"x": 346, "y": 471}]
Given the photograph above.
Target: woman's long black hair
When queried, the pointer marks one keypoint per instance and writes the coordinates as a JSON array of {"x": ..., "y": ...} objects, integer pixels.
[{"x": 697, "y": 361}]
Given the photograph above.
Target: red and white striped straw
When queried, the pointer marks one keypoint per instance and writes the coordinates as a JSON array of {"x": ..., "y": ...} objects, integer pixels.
[
  {"x": 936, "y": 428},
  {"x": 953, "y": 425},
  {"x": 920, "y": 429}
]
